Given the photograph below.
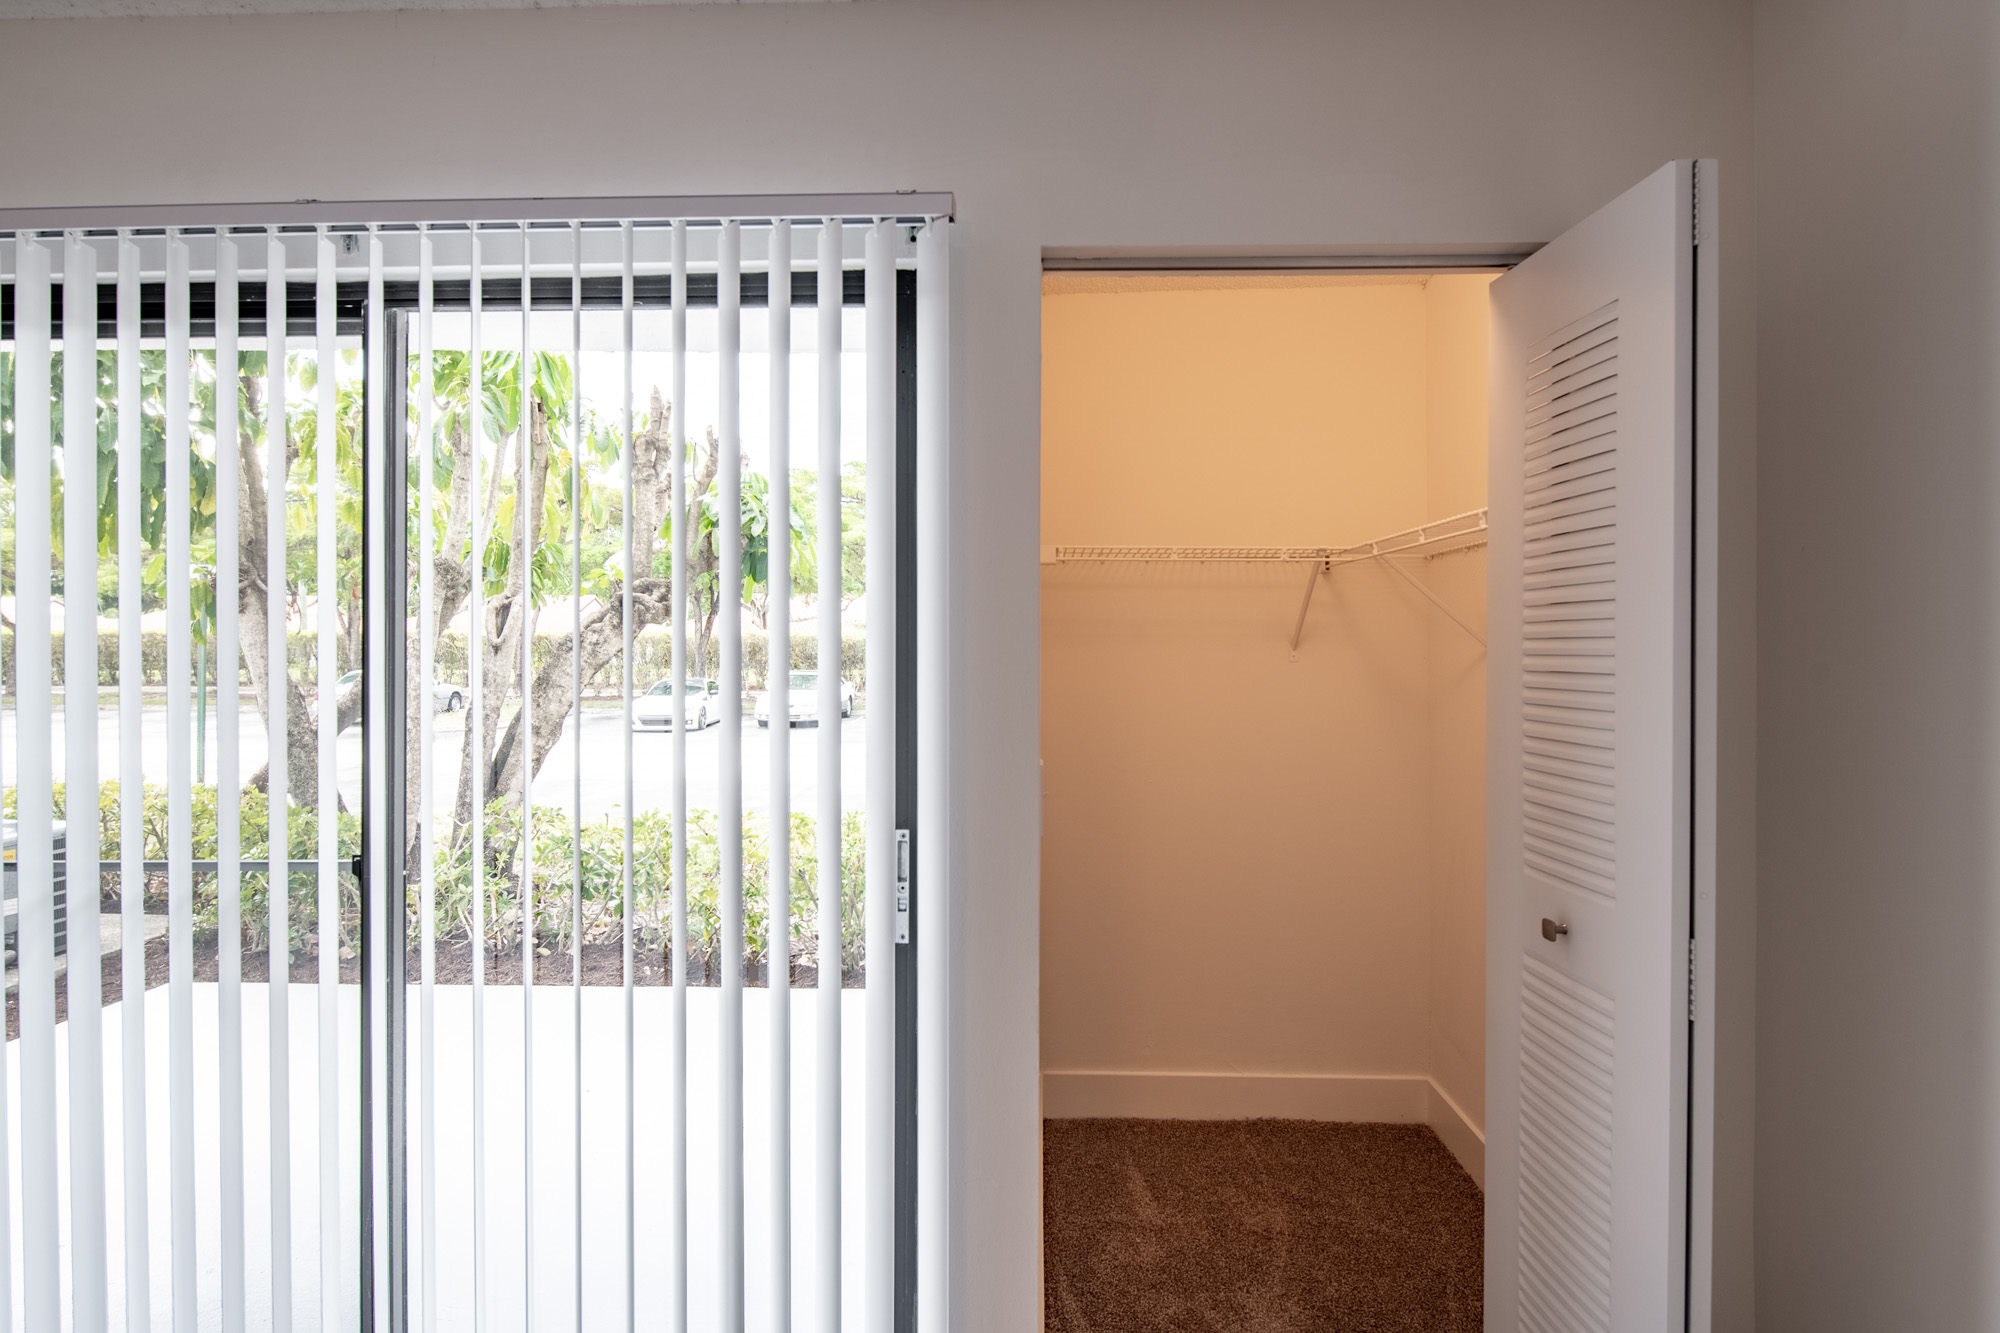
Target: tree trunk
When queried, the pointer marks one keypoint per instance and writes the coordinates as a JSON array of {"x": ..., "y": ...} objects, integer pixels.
[
  {"x": 510, "y": 615},
  {"x": 253, "y": 604},
  {"x": 508, "y": 619},
  {"x": 603, "y": 631},
  {"x": 451, "y": 584},
  {"x": 704, "y": 591}
]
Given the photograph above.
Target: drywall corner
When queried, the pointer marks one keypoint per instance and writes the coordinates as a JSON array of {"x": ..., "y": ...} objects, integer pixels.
[{"x": 1449, "y": 1121}]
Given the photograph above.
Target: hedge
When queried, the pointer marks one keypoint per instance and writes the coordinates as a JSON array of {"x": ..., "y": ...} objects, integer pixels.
[
  {"x": 302, "y": 650},
  {"x": 602, "y": 883}
]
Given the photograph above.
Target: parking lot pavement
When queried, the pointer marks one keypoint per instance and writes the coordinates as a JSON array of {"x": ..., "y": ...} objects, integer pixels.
[
  {"x": 603, "y": 765},
  {"x": 603, "y": 768}
]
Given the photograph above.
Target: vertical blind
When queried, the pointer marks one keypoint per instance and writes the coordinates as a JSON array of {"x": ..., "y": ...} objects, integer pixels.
[{"x": 465, "y": 579}]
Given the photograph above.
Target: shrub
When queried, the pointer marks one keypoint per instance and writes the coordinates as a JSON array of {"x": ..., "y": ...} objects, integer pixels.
[
  {"x": 652, "y": 658},
  {"x": 594, "y": 864},
  {"x": 302, "y": 835},
  {"x": 557, "y": 847}
]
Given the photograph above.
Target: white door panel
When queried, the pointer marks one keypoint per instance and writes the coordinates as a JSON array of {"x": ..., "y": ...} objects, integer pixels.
[{"x": 1592, "y": 561}]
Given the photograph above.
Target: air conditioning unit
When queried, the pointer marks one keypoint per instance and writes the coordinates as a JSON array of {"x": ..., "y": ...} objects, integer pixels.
[{"x": 10, "y": 874}]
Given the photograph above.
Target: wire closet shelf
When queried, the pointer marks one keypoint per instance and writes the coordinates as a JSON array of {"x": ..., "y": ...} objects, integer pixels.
[{"x": 1460, "y": 532}]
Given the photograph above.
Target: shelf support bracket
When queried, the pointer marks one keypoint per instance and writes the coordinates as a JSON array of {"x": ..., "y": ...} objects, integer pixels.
[
  {"x": 1435, "y": 600},
  {"x": 1314, "y": 570}
]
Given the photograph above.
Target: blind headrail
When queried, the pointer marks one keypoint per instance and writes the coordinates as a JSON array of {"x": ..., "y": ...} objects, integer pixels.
[{"x": 446, "y": 214}]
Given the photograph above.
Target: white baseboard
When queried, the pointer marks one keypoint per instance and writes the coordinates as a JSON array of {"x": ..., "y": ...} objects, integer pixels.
[
  {"x": 1399, "y": 1099},
  {"x": 1450, "y": 1122}
]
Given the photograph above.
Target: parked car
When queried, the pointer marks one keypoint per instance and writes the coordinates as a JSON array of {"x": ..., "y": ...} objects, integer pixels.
[
  {"x": 339, "y": 686},
  {"x": 445, "y": 697},
  {"x": 804, "y": 700},
  {"x": 654, "y": 710}
]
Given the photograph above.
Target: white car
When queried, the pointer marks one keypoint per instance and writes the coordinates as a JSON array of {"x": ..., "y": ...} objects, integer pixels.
[
  {"x": 654, "y": 710},
  {"x": 445, "y": 697},
  {"x": 804, "y": 701}
]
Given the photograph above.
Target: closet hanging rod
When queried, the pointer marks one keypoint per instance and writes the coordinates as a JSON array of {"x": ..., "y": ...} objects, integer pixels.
[{"x": 1457, "y": 533}]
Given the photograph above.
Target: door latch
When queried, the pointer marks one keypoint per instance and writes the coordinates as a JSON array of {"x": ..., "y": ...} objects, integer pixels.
[{"x": 902, "y": 886}]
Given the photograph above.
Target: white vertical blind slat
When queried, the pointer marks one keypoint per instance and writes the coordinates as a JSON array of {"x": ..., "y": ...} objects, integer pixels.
[
  {"x": 180, "y": 799},
  {"x": 427, "y": 874},
  {"x": 7, "y": 1285},
  {"x": 378, "y": 830},
  {"x": 278, "y": 708},
  {"x": 6, "y": 1141},
  {"x": 41, "y": 1275},
  {"x": 626, "y": 574},
  {"x": 827, "y": 1113},
  {"x": 677, "y": 497},
  {"x": 934, "y": 1049},
  {"x": 476, "y": 720},
  {"x": 880, "y": 727},
  {"x": 89, "y": 1292},
  {"x": 527, "y": 524},
  {"x": 778, "y": 661},
  {"x": 326, "y": 592},
  {"x": 576, "y": 776},
  {"x": 729, "y": 629},
  {"x": 228, "y": 792},
  {"x": 131, "y": 806}
]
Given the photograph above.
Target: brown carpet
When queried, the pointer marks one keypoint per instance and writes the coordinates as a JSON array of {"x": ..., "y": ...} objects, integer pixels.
[{"x": 1256, "y": 1226}]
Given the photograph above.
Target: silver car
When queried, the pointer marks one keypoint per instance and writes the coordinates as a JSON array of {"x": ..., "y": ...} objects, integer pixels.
[
  {"x": 804, "y": 700},
  {"x": 654, "y": 710},
  {"x": 445, "y": 697}
]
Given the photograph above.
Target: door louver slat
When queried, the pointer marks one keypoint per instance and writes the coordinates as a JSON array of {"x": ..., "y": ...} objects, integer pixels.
[
  {"x": 1570, "y": 644},
  {"x": 1566, "y": 1067}
]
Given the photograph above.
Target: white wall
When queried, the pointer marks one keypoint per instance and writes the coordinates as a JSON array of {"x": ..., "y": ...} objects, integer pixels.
[
  {"x": 1234, "y": 869},
  {"x": 1120, "y": 122},
  {"x": 1878, "y": 1045},
  {"x": 1456, "y": 318}
]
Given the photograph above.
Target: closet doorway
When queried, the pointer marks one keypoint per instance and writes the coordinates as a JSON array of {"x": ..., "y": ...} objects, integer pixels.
[
  {"x": 1264, "y": 745},
  {"x": 1265, "y": 930}
]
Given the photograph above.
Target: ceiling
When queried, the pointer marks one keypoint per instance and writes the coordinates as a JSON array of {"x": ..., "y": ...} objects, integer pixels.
[{"x": 34, "y": 9}]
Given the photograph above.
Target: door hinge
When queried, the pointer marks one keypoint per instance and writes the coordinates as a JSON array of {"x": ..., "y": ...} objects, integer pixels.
[
  {"x": 1691, "y": 964},
  {"x": 1698, "y": 234},
  {"x": 902, "y": 886}
]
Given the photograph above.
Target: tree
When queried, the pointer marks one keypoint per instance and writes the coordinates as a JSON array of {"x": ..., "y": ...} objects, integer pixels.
[
  {"x": 521, "y": 555},
  {"x": 853, "y": 533},
  {"x": 302, "y": 730},
  {"x": 522, "y": 559}
]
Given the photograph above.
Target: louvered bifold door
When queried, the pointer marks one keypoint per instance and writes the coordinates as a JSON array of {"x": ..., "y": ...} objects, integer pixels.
[{"x": 1594, "y": 349}]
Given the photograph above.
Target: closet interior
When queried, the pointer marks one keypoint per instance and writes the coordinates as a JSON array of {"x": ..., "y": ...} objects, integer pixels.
[{"x": 1263, "y": 692}]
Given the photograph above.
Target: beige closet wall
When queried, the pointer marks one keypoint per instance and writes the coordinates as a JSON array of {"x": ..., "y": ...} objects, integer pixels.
[
  {"x": 1241, "y": 852},
  {"x": 1455, "y": 311}
]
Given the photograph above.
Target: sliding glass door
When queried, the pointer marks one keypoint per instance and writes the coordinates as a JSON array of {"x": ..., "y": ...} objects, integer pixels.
[{"x": 458, "y": 728}]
